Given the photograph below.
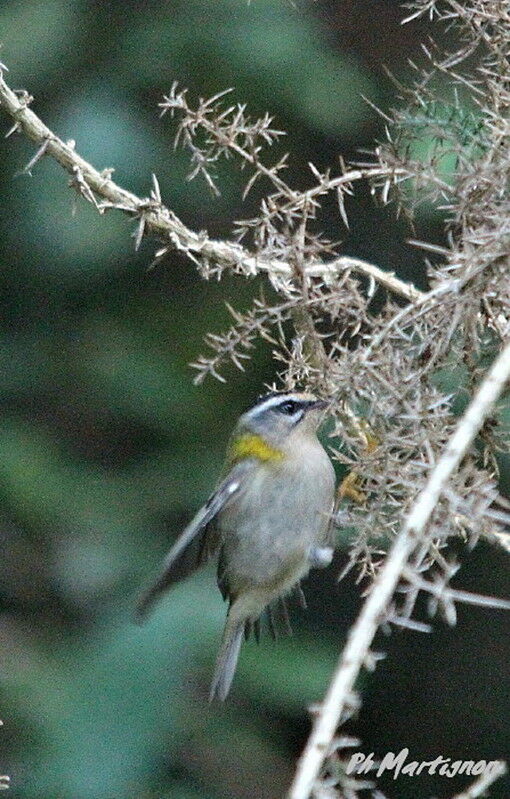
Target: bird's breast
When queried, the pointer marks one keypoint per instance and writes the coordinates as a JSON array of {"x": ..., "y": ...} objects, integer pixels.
[{"x": 284, "y": 510}]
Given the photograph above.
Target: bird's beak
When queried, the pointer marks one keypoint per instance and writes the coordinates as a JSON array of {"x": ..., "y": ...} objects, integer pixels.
[{"x": 318, "y": 405}]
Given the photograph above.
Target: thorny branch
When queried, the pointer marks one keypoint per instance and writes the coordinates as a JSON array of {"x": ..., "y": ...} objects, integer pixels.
[
  {"x": 361, "y": 635},
  {"x": 416, "y": 477},
  {"x": 99, "y": 189}
]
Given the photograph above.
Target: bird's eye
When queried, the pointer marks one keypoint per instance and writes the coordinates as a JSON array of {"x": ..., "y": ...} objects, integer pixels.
[{"x": 289, "y": 407}]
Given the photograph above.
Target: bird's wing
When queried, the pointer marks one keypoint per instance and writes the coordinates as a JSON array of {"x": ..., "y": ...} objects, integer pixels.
[{"x": 198, "y": 541}]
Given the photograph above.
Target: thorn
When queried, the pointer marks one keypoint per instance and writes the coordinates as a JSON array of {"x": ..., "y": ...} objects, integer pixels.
[
  {"x": 410, "y": 624},
  {"x": 140, "y": 230},
  {"x": 12, "y": 130},
  {"x": 33, "y": 161},
  {"x": 372, "y": 659},
  {"x": 156, "y": 192},
  {"x": 79, "y": 183}
]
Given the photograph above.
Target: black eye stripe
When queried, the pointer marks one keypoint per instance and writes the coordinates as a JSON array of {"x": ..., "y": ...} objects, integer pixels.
[{"x": 289, "y": 407}]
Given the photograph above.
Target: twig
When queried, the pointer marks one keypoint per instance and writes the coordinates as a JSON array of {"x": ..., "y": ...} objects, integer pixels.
[
  {"x": 373, "y": 611},
  {"x": 484, "y": 781},
  {"x": 441, "y": 591},
  {"x": 502, "y": 538},
  {"x": 161, "y": 221}
]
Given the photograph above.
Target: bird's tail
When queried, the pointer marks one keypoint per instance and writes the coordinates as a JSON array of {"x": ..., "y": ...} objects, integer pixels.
[{"x": 228, "y": 655}]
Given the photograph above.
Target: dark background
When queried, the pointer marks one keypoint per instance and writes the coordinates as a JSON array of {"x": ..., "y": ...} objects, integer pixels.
[{"x": 107, "y": 448}]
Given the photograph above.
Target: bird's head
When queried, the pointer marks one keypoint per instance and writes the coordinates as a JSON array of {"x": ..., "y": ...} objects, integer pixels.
[{"x": 275, "y": 423}]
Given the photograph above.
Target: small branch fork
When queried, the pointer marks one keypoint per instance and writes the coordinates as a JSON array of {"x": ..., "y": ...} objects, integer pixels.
[
  {"x": 99, "y": 189},
  {"x": 373, "y": 613}
]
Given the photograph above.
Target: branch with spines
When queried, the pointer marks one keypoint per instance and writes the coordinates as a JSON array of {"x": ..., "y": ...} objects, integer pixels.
[
  {"x": 394, "y": 569},
  {"x": 230, "y": 131},
  {"x": 155, "y": 219},
  {"x": 98, "y": 188}
]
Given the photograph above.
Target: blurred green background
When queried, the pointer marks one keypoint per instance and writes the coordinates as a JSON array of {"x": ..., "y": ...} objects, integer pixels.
[{"x": 106, "y": 447}]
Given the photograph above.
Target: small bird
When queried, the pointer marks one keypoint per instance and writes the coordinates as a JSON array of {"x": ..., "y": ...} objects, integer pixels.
[{"x": 268, "y": 521}]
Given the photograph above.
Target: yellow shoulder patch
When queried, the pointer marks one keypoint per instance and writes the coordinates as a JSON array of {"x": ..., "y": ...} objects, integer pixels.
[{"x": 253, "y": 446}]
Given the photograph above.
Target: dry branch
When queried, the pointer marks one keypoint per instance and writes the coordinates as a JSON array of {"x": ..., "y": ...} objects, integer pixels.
[
  {"x": 420, "y": 482},
  {"x": 373, "y": 613},
  {"x": 162, "y": 222}
]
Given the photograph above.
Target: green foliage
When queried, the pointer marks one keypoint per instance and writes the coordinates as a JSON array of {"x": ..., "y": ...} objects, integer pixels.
[{"x": 439, "y": 135}]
